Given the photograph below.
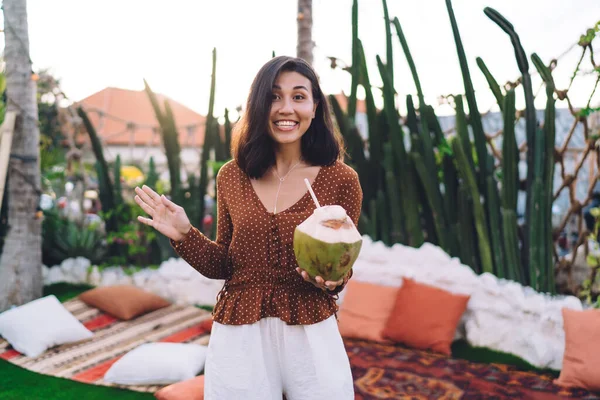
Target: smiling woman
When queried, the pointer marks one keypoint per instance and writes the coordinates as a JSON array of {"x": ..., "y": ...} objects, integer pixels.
[{"x": 274, "y": 328}]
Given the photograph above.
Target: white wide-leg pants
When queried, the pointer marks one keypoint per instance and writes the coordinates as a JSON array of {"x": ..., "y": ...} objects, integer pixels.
[{"x": 264, "y": 360}]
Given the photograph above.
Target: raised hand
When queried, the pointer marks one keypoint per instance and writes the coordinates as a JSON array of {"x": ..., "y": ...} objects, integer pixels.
[{"x": 167, "y": 217}]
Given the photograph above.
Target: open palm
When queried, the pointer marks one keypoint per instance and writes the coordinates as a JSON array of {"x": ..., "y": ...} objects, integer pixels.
[{"x": 167, "y": 217}]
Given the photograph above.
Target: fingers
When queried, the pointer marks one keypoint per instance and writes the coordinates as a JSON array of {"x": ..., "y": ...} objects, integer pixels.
[
  {"x": 168, "y": 203},
  {"x": 317, "y": 281},
  {"x": 146, "y": 221},
  {"x": 152, "y": 194},
  {"x": 144, "y": 197},
  {"x": 333, "y": 284},
  {"x": 306, "y": 276},
  {"x": 147, "y": 209}
]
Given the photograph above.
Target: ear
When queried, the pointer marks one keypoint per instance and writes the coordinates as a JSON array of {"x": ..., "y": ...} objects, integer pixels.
[{"x": 315, "y": 109}]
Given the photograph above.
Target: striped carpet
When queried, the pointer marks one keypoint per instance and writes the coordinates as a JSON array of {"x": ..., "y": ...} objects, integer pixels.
[{"x": 87, "y": 361}]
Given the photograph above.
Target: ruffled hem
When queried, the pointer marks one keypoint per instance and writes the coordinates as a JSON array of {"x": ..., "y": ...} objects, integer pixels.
[{"x": 294, "y": 307}]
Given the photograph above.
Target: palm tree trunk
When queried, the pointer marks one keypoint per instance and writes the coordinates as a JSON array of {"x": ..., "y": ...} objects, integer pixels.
[
  {"x": 21, "y": 259},
  {"x": 305, "y": 46}
]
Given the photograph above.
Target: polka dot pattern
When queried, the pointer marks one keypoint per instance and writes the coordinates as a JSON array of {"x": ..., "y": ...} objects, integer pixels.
[{"x": 254, "y": 252}]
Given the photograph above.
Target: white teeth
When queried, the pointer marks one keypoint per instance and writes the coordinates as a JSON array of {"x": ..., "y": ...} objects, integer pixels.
[{"x": 285, "y": 123}]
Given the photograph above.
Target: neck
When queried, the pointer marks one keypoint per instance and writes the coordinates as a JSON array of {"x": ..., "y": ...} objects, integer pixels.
[{"x": 286, "y": 157}]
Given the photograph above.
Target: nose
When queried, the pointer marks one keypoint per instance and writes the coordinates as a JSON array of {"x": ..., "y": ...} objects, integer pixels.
[{"x": 286, "y": 106}]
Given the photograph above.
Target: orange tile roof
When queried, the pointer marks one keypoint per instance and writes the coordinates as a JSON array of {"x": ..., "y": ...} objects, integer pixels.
[{"x": 120, "y": 107}]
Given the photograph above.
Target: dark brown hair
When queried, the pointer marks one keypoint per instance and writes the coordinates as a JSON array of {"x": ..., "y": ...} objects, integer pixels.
[{"x": 253, "y": 148}]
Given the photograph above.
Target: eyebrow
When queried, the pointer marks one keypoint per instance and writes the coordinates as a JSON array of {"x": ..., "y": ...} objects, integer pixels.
[{"x": 295, "y": 87}]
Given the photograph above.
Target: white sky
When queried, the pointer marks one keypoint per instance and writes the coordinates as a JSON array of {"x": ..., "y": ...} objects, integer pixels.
[{"x": 92, "y": 44}]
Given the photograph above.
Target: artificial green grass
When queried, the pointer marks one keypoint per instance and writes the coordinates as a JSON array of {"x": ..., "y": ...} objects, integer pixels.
[
  {"x": 17, "y": 383},
  {"x": 463, "y": 350},
  {"x": 65, "y": 291}
]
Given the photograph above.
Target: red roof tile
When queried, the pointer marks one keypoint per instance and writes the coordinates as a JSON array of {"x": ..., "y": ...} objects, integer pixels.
[{"x": 122, "y": 108}]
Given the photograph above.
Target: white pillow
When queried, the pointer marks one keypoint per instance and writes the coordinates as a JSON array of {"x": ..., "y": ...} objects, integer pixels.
[
  {"x": 39, "y": 325},
  {"x": 158, "y": 364}
]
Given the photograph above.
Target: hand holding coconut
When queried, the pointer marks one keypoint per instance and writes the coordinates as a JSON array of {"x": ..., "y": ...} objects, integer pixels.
[
  {"x": 167, "y": 217},
  {"x": 326, "y": 245}
]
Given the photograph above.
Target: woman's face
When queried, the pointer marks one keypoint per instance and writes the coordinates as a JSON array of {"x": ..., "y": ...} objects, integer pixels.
[{"x": 292, "y": 108}]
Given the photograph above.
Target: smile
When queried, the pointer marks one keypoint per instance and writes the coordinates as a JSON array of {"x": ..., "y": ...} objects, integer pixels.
[{"x": 286, "y": 125}]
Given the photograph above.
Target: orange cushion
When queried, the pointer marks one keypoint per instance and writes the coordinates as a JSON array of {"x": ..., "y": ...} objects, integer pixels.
[
  {"x": 365, "y": 310},
  {"x": 192, "y": 389},
  {"x": 425, "y": 317},
  {"x": 123, "y": 301},
  {"x": 581, "y": 362}
]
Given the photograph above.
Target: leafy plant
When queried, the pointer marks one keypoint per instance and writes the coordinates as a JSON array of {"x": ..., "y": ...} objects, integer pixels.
[
  {"x": 63, "y": 238},
  {"x": 132, "y": 243}
]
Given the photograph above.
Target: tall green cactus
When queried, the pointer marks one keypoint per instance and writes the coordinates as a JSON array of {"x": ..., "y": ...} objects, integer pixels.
[
  {"x": 355, "y": 68},
  {"x": 373, "y": 228},
  {"x": 530, "y": 127},
  {"x": 412, "y": 123},
  {"x": 474, "y": 115},
  {"x": 495, "y": 224},
  {"x": 152, "y": 175},
  {"x": 493, "y": 84},
  {"x": 228, "y": 129},
  {"x": 510, "y": 182},
  {"x": 462, "y": 131},
  {"x": 427, "y": 146},
  {"x": 389, "y": 50},
  {"x": 375, "y": 136},
  {"x": 210, "y": 134},
  {"x": 401, "y": 162},
  {"x": 352, "y": 138},
  {"x": 468, "y": 239},
  {"x": 435, "y": 204},
  {"x": 450, "y": 190},
  {"x": 383, "y": 212},
  {"x": 170, "y": 140},
  {"x": 549, "y": 132},
  {"x": 105, "y": 185},
  {"x": 481, "y": 226},
  {"x": 424, "y": 157},
  {"x": 117, "y": 177},
  {"x": 397, "y": 230}
]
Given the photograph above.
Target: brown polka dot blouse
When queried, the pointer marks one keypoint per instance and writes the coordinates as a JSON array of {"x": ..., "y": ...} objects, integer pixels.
[{"x": 254, "y": 252}]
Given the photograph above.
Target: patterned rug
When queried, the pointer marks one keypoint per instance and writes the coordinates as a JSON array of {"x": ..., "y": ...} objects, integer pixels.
[
  {"x": 380, "y": 371},
  {"x": 396, "y": 372},
  {"x": 88, "y": 361}
]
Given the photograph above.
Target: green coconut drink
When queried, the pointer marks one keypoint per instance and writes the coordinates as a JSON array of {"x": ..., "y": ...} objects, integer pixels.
[{"x": 327, "y": 243}]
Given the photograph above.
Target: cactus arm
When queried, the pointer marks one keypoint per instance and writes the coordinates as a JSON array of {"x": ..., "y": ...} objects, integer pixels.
[
  {"x": 355, "y": 68},
  {"x": 510, "y": 180},
  {"x": 530, "y": 119},
  {"x": 493, "y": 84},
  {"x": 434, "y": 201},
  {"x": 549, "y": 132},
  {"x": 389, "y": 52},
  {"x": 474, "y": 115},
  {"x": 481, "y": 225}
]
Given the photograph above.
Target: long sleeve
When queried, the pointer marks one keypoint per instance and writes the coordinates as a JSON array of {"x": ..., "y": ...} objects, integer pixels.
[
  {"x": 350, "y": 195},
  {"x": 208, "y": 257},
  {"x": 350, "y": 198}
]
